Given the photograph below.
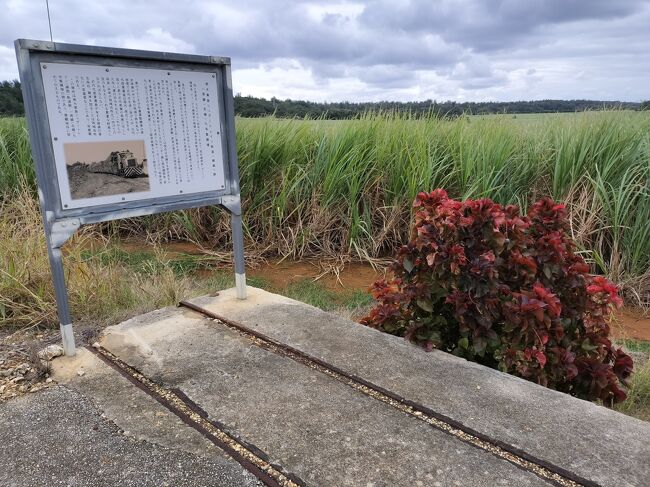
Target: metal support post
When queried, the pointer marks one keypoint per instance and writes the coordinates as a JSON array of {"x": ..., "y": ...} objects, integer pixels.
[
  {"x": 238, "y": 250},
  {"x": 58, "y": 277}
]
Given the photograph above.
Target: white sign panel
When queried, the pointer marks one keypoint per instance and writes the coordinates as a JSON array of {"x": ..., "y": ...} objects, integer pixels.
[{"x": 126, "y": 134}]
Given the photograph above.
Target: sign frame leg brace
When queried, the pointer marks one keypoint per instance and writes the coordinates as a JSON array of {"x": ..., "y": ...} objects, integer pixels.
[{"x": 59, "y": 232}]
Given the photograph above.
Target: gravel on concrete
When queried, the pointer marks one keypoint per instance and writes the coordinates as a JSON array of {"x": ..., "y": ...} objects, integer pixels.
[{"x": 319, "y": 429}]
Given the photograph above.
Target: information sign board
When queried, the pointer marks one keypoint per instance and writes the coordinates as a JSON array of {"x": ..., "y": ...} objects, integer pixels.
[
  {"x": 132, "y": 133},
  {"x": 118, "y": 133}
]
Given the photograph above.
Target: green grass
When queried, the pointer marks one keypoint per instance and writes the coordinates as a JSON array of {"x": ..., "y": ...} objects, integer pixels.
[
  {"x": 151, "y": 264},
  {"x": 315, "y": 188},
  {"x": 352, "y": 304},
  {"x": 312, "y": 293},
  {"x": 358, "y": 299},
  {"x": 636, "y": 345},
  {"x": 637, "y": 403},
  {"x": 16, "y": 166},
  {"x": 147, "y": 262}
]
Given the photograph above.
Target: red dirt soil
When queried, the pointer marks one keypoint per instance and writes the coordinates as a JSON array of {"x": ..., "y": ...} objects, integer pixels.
[
  {"x": 627, "y": 323},
  {"x": 353, "y": 276},
  {"x": 630, "y": 323}
]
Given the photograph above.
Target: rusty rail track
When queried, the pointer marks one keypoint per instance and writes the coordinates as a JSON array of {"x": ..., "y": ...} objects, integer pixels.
[
  {"x": 246, "y": 454},
  {"x": 543, "y": 469}
]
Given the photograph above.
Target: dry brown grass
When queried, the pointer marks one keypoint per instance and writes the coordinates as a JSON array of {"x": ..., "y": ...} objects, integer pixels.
[{"x": 98, "y": 292}]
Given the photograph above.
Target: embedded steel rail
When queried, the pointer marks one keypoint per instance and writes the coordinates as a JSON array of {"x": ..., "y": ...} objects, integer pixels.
[
  {"x": 543, "y": 469},
  {"x": 247, "y": 455}
]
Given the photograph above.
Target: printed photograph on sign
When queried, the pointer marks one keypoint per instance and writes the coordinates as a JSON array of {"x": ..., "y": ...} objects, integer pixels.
[{"x": 106, "y": 168}]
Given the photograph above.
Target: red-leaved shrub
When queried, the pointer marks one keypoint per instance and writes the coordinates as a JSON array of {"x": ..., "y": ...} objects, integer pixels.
[{"x": 506, "y": 290}]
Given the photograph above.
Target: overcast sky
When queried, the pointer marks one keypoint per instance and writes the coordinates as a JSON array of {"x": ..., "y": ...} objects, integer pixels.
[{"x": 464, "y": 50}]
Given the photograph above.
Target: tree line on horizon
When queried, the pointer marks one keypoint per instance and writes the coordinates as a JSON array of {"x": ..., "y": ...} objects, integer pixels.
[
  {"x": 249, "y": 106},
  {"x": 11, "y": 104}
]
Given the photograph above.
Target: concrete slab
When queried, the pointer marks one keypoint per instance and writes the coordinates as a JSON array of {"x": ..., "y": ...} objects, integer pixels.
[
  {"x": 312, "y": 425},
  {"x": 594, "y": 442},
  {"x": 58, "y": 437},
  {"x": 135, "y": 413},
  {"x": 319, "y": 429}
]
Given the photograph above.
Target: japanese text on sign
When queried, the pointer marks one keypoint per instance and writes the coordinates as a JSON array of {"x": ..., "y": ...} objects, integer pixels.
[{"x": 125, "y": 134}]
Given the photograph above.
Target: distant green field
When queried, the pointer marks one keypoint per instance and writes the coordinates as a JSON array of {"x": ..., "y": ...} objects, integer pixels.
[
  {"x": 324, "y": 188},
  {"x": 545, "y": 117}
]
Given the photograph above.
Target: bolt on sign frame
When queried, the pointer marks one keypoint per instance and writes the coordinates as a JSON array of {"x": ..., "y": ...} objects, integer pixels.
[{"x": 182, "y": 103}]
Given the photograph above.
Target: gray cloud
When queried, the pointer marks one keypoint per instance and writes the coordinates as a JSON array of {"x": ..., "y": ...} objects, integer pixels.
[
  {"x": 376, "y": 49},
  {"x": 491, "y": 24}
]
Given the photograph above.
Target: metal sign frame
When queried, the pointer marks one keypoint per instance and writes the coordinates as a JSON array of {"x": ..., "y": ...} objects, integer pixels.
[{"x": 61, "y": 223}]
